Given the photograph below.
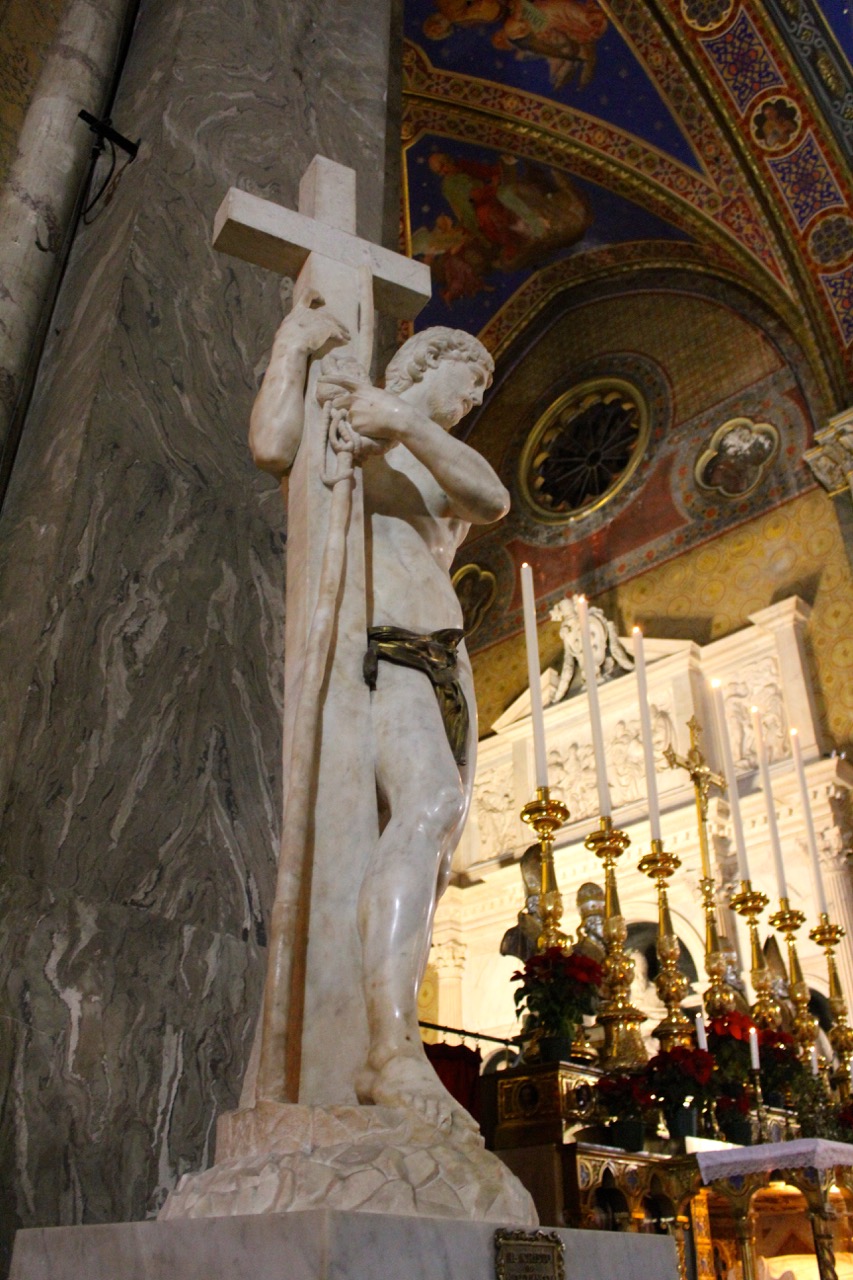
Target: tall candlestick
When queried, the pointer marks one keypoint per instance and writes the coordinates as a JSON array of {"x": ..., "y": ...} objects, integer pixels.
[
  {"x": 701, "y": 1034},
  {"x": 646, "y": 727},
  {"x": 820, "y": 892},
  {"x": 768, "y": 800},
  {"x": 594, "y": 709},
  {"x": 534, "y": 676},
  {"x": 731, "y": 782},
  {"x": 753, "y": 1049}
]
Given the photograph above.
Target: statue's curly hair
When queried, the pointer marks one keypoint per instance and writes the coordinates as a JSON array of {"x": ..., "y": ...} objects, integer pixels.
[{"x": 427, "y": 349}]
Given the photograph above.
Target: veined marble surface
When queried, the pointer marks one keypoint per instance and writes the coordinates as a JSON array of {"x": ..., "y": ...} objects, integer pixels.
[
  {"x": 141, "y": 618},
  {"x": 321, "y": 1245},
  {"x": 374, "y": 1159}
]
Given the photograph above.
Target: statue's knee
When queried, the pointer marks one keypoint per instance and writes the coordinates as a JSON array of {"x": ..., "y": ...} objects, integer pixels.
[{"x": 446, "y": 810}]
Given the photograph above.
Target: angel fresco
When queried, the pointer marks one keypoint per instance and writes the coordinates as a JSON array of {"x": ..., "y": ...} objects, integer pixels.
[
  {"x": 563, "y": 32},
  {"x": 506, "y": 216}
]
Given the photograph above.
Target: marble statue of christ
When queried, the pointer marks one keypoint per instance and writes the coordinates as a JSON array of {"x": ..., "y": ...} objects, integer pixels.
[{"x": 422, "y": 488}]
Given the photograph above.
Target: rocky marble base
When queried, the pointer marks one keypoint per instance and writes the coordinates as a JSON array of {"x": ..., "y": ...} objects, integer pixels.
[
  {"x": 273, "y": 1159},
  {"x": 315, "y": 1246}
]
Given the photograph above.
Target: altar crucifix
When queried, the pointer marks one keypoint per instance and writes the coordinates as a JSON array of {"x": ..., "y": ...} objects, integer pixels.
[{"x": 720, "y": 995}]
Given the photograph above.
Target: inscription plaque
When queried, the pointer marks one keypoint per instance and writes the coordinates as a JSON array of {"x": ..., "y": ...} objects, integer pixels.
[{"x": 529, "y": 1255}]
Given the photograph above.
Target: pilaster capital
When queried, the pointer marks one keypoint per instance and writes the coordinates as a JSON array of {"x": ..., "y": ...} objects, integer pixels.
[{"x": 831, "y": 457}]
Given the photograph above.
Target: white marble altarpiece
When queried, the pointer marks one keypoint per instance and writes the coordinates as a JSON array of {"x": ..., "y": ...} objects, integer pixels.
[{"x": 766, "y": 665}]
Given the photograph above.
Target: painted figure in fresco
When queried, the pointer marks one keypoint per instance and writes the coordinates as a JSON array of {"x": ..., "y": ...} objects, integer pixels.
[
  {"x": 423, "y": 488},
  {"x": 563, "y": 32},
  {"x": 507, "y": 216}
]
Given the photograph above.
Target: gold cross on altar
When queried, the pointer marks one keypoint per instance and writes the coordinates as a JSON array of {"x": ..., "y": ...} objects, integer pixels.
[{"x": 703, "y": 778}]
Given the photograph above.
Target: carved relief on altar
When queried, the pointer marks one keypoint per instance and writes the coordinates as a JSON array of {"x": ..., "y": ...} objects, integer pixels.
[
  {"x": 571, "y": 771},
  {"x": 756, "y": 684},
  {"x": 571, "y": 765},
  {"x": 496, "y": 812},
  {"x": 626, "y": 765}
]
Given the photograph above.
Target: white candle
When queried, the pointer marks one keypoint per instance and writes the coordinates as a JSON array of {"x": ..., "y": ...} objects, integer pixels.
[
  {"x": 701, "y": 1036},
  {"x": 534, "y": 676},
  {"x": 820, "y": 892},
  {"x": 764, "y": 768},
  {"x": 753, "y": 1049},
  {"x": 731, "y": 782},
  {"x": 646, "y": 727},
  {"x": 594, "y": 710},
  {"x": 813, "y": 1059}
]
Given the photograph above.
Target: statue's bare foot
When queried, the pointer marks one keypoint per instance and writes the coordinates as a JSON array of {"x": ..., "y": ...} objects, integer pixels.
[{"x": 410, "y": 1081}]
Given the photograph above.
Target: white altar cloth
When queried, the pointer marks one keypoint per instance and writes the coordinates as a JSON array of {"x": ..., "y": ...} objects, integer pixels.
[{"x": 801, "y": 1153}]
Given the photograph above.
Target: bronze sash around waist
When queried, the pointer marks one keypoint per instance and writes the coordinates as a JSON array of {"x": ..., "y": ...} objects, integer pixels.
[{"x": 435, "y": 655}]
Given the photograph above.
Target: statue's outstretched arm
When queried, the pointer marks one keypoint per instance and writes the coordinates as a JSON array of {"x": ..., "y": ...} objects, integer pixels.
[{"x": 278, "y": 414}]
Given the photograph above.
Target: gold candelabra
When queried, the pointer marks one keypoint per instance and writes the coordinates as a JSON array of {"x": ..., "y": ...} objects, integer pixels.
[
  {"x": 828, "y": 936},
  {"x": 787, "y": 921},
  {"x": 749, "y": 903},
  {"x": 546, "y": 815},
  {"x": 621, "y": 1022},
  {"x": 720, "y": 997},
  {"x": 675, "y": 1028}
]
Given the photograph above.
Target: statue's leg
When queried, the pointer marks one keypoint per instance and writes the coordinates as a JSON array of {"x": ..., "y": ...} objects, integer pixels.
[{"x": 426, "y": 800}]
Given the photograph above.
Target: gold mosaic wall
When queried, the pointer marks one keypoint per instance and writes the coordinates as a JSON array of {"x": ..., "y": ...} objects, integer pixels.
[
  {"x": 27, "y": 29},
  {"x": 710, "y": 591}
]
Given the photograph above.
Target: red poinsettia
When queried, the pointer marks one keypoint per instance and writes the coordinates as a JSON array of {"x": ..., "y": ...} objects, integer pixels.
[
  {"x": 728, "y": 1041},
  {"x": 557, "y": 988},
  {"x": 676, "y": 1075},
  {"x": 624, "y": 1095},
  {"x": 734, "y": 1024}
]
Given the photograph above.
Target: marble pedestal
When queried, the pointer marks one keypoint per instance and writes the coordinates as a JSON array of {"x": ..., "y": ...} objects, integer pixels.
[
  {"x": 318, "y": 1245},
  {"x": 275, "y": 1158}
]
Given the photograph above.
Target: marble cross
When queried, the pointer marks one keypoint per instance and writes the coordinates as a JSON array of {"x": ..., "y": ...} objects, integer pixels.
[{"x": 326, "y": 1037}]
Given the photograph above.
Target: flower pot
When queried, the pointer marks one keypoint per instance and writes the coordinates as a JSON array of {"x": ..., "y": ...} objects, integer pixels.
[
  {"x": 555, "y": 1048},
  {"x": 627, "y": 1134},
  {"x": 737, "y": 1128},
  {"x": 682, "y": 1122}
]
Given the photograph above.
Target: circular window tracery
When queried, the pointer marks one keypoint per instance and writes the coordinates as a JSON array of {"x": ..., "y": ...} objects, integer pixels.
[{"x": 583, "y": 449}]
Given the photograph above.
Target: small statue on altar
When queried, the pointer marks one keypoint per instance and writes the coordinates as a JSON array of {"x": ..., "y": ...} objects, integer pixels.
[
  {"x": 522, "y": 940},
  {"x": 590, "y": 931}
]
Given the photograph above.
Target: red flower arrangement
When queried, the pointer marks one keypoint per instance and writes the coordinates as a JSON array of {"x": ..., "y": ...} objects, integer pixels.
[
  {"x": 677, "y": 1075},
  {"x": 728, "y": 1042},
  {"x": 781, "y": 1068},
  {"x": 624, "y": 1096},
  {"x": 557, "y": 988}
]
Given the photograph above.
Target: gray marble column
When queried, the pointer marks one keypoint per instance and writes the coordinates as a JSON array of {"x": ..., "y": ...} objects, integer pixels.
[
  {"x": 39, "y": 197},
  {"x": 141, "y": 617}
]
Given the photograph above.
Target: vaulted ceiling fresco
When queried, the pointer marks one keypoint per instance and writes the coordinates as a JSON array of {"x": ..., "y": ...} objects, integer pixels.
[
  {"x": 645, "y": 210},
  {"x": 540, "y": 132}
]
